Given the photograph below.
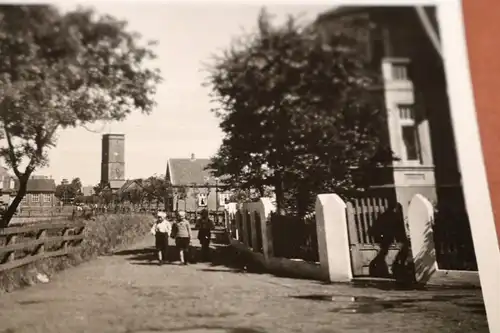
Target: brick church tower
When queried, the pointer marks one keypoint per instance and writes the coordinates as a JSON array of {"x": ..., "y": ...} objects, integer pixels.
[{"x": 113, "y": 160}]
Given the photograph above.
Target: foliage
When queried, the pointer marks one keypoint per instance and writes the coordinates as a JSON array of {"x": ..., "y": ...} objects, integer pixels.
[
  {"x": 66, "y": 192},
  {"x": 299, "y": 113},
  {"x": 157, "y": 187},
  {"x": 104, "y": 194},
  {"x": 64, "y": 70},
  {"x": 249, "y": 195},
  {"x": 136, "y": 196}
]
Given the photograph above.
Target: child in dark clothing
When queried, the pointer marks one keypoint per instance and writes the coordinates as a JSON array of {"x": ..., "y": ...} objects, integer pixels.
[{"x": 205, "y": 234}]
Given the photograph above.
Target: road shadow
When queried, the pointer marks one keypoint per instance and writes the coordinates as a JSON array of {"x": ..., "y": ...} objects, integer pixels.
[
  {"x": 393, "y": 285},
  {"x": 215, "y": 329},
  {"x": 217, "y": 256},
  {"x": 221, "y": 258},
  {"x": 227, "y": 258},
  {"x": 148, "y": 255},
  {"x": 363, "y": 304}
]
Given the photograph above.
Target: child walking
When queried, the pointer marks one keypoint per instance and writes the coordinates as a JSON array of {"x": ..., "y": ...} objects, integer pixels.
[
  {"x": 182, "y": 235},
  {"x": 161, "y": 231},
  {"x": 205, "y": 234}
]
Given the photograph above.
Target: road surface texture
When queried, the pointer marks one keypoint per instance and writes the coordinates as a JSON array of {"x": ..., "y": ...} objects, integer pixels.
[{"x": 127, "y": 293}]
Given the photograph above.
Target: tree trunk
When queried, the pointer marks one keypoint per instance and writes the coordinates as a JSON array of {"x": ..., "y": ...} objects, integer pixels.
[{"x": 7, "y": 216}]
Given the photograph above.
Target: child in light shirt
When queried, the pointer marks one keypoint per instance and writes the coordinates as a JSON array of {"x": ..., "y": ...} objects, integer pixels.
[{"x": 161, "y": 230}]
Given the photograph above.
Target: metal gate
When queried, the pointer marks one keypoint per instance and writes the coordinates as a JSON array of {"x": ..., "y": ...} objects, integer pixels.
[{"x": 361, "y": 215}]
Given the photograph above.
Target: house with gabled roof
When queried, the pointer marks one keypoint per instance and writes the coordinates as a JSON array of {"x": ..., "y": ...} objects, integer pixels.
[
  {"x": 40, "y": 192},
  {"x": 194, "y": 186}
]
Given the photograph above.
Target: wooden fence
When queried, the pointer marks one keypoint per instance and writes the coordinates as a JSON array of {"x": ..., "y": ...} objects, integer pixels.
[
  {"x": 22, "y": 245},
  {"x": 361, "y": 214}
]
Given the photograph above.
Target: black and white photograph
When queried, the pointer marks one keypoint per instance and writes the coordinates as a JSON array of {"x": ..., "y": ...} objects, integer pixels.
[{"x": 239, "y": 168}]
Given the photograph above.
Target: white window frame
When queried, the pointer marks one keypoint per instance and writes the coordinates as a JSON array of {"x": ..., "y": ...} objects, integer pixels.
[
  {"x": 223, "y": 197},
  {"x": 402, "y": 68},
  {"x": 46, "y": 197},
  {"x": 35, "y": 197},
  {"x": 389, "y": 67},
  {"x": 409, "y": 121},
  {"x": 200, "y": 197}
]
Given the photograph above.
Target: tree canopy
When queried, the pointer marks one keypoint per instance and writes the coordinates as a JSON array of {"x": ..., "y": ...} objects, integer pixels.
[
  {"x": 66, "y": 191},
  {"x": 63, "y": 70},
  {"x": 299, "y": 112}
]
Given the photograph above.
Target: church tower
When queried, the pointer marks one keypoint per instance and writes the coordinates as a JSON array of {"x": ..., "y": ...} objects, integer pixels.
[{"x": 113, "y": 160}]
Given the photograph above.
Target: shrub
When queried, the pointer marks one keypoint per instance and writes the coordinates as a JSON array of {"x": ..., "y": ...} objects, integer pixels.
[{"x": 103, "y": 235}]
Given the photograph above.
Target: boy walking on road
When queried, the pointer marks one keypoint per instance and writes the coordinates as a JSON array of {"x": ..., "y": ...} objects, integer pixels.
[
  {"x": 161, "y": 230},
  {"x": 182, "y": 234}
]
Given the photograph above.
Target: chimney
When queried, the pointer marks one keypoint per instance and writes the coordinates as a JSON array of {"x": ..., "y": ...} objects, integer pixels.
[{"x": 193, "y": 157}]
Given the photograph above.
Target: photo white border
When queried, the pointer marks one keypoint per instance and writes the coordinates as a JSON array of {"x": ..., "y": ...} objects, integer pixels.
[
  {"x": 470, "y": 156},
  {"x": 467, "y": 138}
]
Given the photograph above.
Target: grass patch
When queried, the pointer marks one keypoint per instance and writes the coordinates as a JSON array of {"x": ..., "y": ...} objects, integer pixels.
[{"x": 103, "y": 235}]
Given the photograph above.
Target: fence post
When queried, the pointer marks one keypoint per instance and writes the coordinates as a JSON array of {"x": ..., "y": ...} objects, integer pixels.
[
  {"x": 333, "y": 239},
  {"x": 41, "y": 248},
  {"x": 265, "y": 208},
  {"x": 252, "y": 208},
  {"x": 420, "y": 223},
  {"x": 244, "y": 231},
  {"x": 65, "y": 243},
  {"x": 10, "y": 241}
]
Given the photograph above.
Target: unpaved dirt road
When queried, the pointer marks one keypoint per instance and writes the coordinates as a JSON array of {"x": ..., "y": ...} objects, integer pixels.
[{"x": 128, "y": 294}]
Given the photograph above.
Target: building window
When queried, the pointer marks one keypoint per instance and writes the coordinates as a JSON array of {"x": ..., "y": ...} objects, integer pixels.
[
  {"x": 224, "y": 198},
  {"x": 47, "y": 197},
  {"x": 35, "y": 198},
  {"x": 399, "y": 71},
  {"x": 202, "y": 200},
  {"x": 409, "y": 133}
]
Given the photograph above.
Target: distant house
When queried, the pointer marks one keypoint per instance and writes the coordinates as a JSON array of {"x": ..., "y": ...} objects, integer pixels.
[
  {"x": 40, "y": 192},
  {"x": 195, "y": 188},
  {"x": 128, "y": 187}
]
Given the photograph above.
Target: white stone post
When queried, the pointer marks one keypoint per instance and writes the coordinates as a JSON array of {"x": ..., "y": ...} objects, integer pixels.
[
  {"x": 265, "y": 209},
  {"x": 420, "y": 224},
  {"x": 333, "y": 238}
]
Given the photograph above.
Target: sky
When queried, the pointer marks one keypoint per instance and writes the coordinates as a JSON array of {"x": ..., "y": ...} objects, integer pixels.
[{"x": 181, "y": 124}]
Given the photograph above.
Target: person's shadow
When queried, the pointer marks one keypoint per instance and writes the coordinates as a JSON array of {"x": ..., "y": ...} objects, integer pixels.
[{"x": 385, "y": 231}]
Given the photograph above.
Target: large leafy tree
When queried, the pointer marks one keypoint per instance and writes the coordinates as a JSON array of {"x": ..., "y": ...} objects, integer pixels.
[
  {"x": 156, "y": 189},
  {"x": 66, "y": 191},
  {"x": 61, "y": 70},
  {"x": 299, "y": 112}
]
